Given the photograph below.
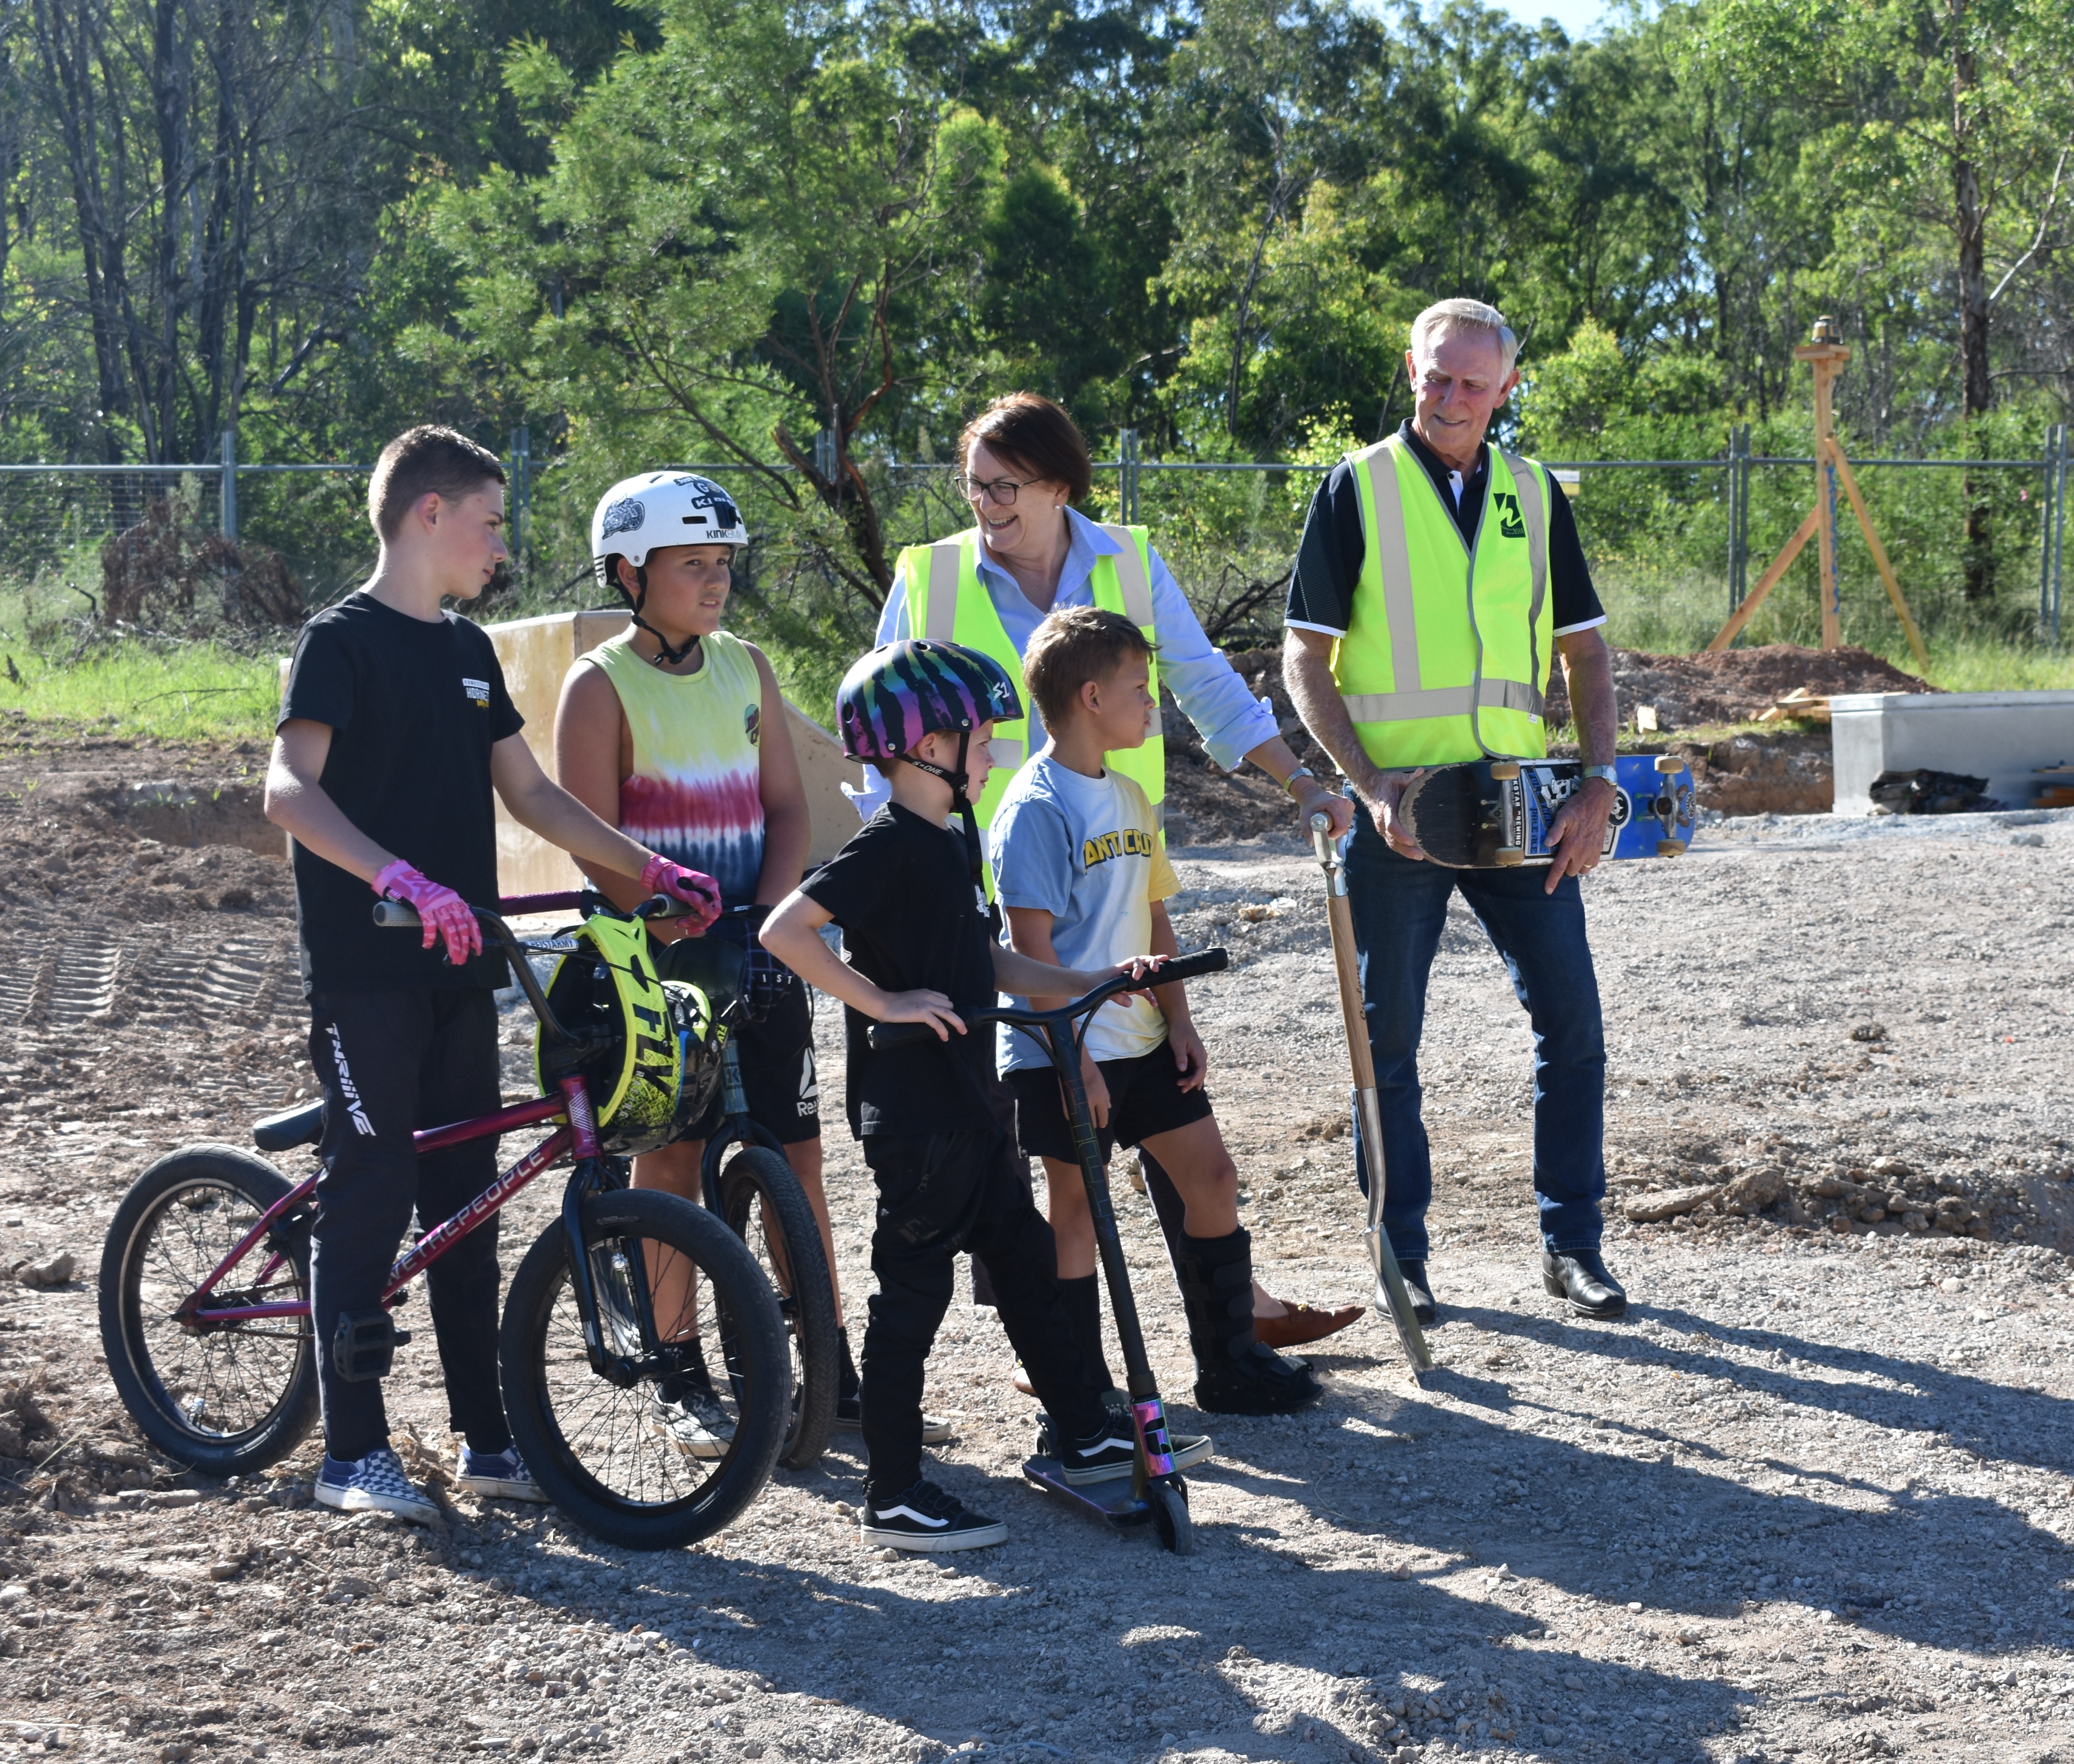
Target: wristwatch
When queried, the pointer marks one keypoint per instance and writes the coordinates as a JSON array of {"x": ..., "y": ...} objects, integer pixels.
[
  {"x": 1289, "y": 783},
  {"x": 1607, "y": 772}
]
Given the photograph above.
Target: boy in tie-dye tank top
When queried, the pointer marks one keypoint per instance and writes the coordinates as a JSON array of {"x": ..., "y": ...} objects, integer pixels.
[{"x": 678, "y": 729}]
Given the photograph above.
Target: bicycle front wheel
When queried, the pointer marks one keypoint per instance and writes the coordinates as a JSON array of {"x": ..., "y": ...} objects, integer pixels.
[
  {"x": 764, "y": 1205},
  {"x": 224, "y": 1400},
  {"x": 652, "y": 1453}
]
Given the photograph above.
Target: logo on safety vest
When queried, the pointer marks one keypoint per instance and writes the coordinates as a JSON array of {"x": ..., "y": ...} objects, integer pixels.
[{"x": 1514, "y": 526}]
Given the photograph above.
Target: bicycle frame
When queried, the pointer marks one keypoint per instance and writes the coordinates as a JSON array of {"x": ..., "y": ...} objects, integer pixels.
[{"x": 577, "y": 1135}]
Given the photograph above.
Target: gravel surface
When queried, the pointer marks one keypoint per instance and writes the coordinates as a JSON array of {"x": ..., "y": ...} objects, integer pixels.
[{"x": 1810, "y": 1499}]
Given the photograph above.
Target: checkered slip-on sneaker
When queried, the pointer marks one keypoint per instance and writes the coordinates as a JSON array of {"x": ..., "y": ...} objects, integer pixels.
[
  {"x": 497, "y": 1475},
  {"x": 375, "y": 1483}
]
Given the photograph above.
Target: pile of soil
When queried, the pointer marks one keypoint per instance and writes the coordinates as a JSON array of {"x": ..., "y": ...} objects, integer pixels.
[{"x": 1737, "y": 685}]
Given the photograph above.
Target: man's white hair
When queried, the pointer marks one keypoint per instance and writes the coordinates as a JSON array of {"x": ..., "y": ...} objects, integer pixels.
[{"x": 1465, "y": 315}]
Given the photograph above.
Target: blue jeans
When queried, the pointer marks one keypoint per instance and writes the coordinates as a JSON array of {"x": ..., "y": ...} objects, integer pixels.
[{"x": 1400, "y": 906}]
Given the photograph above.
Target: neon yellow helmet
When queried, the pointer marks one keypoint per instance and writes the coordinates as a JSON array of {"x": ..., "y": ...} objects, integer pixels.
[{"x": 658, "y": 1062}]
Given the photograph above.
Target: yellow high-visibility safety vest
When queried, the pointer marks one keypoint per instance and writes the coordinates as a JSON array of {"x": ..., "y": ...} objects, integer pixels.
[
  {"x": 1447, "y": 652},
  {"x": 946, "y": 600}
]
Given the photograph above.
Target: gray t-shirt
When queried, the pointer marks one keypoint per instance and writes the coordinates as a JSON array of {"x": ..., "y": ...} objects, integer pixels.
[{"x": 1087, "y": 851}]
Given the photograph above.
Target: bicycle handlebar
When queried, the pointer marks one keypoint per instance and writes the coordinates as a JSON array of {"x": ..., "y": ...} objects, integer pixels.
[
  {"x": 399, "y": 916},
  {"x": 902, "y": 1034}
]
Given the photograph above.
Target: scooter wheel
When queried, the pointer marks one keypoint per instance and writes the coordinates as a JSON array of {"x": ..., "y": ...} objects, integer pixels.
[{"x": 1170, "y": 1512}]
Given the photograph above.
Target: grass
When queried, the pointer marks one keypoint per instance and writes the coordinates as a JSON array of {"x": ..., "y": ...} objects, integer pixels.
[{"x": 197, "y": 691}]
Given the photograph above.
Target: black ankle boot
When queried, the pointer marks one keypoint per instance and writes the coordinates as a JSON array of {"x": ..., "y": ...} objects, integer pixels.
[{"x": 1234, "y": 1373}]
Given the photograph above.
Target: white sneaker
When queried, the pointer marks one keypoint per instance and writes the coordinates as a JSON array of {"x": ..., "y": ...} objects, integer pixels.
[
  {"x": 375, "y": 1483},
  {"x": 499, "y": 1475},
  {"x": 695, "y": 1424}
]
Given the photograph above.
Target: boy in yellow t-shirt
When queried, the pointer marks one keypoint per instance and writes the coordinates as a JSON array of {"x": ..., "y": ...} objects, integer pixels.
[{"x": 1083, "y": 876}]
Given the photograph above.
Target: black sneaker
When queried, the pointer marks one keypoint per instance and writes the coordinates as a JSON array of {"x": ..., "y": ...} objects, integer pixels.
[
  {"x": 849, "y": 1414},
  {"x": 1111, "y": 1453},
  {"x": 925, "y": 1517}
]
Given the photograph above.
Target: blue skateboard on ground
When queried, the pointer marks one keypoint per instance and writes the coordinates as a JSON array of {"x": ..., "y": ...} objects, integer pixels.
[{"x": 1490, "y": 814}]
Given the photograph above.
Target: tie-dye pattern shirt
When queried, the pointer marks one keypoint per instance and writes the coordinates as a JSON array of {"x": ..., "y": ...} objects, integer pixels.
[{"x": 696, "y": 792}]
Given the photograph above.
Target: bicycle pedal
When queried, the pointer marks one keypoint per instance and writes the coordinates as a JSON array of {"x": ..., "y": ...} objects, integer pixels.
[{"x": 364, "y": 1346}]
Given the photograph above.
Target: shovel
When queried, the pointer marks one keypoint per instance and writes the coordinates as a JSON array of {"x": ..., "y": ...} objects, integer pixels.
[{"x": 1389, "y": 1289}]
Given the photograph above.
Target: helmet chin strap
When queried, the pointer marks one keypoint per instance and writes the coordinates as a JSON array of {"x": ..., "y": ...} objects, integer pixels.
[
  {"x": 958, "y": 779},
  {"x": 671, "y": 656}
]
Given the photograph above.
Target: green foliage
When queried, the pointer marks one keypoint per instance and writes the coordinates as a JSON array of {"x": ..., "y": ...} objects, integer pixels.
[{"x": 710, "y": 231}]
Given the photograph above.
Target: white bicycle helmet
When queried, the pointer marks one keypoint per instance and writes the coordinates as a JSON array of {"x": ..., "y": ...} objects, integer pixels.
[{"x": 642, "y": 514}]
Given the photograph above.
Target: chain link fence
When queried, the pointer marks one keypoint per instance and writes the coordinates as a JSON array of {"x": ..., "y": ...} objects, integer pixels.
[{"x": 1674, "y": 546}]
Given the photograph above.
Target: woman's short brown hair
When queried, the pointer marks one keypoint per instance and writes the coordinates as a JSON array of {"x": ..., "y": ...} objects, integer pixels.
[
  {"x": 1034, "y": 435},
  {"x": 1073, "y": 645}
]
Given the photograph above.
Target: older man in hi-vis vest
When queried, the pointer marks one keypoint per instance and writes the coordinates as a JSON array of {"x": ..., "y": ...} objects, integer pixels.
[{"x": 1438, "y": 578}]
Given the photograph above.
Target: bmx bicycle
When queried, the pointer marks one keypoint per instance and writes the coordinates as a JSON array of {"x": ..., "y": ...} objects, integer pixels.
[
  {"x": 1156, "y": 1491},
  {"x": 205, "y": 1292}
]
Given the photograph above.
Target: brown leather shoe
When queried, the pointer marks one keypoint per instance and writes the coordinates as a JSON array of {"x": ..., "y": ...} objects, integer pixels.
[{"x": 1302, "y": 1323}]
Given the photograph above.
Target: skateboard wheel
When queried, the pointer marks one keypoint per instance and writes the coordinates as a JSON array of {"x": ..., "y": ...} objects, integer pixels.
[
  {"x": 1509, "y": 855},
  {"x": 1669, "y": 763},
  {"x": 1669, "y": 847},
  {"x": 1504, "y": 770}
]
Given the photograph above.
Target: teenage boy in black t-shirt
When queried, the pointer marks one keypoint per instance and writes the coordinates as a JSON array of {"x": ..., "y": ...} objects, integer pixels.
[
  {"x": 903, "y": 890},
  {"x": 395, "y": 728}
]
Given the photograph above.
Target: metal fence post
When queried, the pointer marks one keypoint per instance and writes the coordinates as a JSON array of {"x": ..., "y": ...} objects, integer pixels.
[
  {"x": 1738, "y": 513},
  {"x": 522, "y": 490},
  {"x": 2059, "y": 526},
  {"x": 824, "y": 454},
  {"x": 227, "y": 500},
  {"x": 1126, "y": 475}
]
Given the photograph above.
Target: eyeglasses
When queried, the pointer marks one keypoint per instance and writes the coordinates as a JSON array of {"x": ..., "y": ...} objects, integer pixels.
[{"x": 1001, "y": 492}]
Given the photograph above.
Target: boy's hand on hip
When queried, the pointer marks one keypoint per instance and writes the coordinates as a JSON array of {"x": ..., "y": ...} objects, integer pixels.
[
  {"x": 688, "y": 887},
  {"x": 444, "y": 914},
  {"x": 1191, "y": 1058},
  {"x": 923, "y": 1005}
]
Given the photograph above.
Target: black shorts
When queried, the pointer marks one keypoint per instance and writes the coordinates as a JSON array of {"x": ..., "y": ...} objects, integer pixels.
[
  {"x": 1145, "y": 1098},
  {"x": 777, "y": 1057}
]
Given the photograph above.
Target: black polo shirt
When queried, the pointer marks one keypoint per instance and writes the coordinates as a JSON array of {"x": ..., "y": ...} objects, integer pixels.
[{"x": 1328, "y": 562}]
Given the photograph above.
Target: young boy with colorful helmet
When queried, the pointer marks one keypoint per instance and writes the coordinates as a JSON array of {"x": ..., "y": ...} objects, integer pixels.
[
  {"x": 394, "y": 730},
  {"x": 918, "y": 934},
  {"x": 676, "y": 732}
]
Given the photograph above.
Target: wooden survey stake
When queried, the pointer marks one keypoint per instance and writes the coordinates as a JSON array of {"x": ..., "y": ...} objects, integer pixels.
[{"x": 1827, "y": 356}]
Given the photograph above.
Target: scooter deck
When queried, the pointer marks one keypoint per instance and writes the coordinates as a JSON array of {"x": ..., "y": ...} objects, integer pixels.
[{"x": 1112, "y": 1500}]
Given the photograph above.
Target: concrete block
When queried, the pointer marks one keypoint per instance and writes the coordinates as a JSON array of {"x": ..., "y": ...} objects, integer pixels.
[{"x": 2002, "y": 736}]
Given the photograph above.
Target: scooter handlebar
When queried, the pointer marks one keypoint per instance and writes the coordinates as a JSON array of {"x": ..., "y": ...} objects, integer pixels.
[{"x": 883, "y": 1036}]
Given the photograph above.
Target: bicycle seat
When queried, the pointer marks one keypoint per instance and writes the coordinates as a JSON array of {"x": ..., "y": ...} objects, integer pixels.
[
  {"x": 712, "y": 964},
  {"x": 300, "y": 1126}
]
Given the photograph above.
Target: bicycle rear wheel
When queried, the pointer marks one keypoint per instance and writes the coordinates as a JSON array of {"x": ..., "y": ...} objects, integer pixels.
[
  {"x": 608, "y": 1449},
  {"x": 764, "y": 1205},
  {"x": 224, "y": 1401}
]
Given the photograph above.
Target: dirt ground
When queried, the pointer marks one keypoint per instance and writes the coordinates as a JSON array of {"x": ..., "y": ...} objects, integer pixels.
[{"x": 1811, "y": 1499}]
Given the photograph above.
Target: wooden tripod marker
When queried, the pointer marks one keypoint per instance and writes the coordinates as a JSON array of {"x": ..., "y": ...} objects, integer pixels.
[
  {"x": 1827, "y": 356},
  {"x": 1390, "y": 1293}
]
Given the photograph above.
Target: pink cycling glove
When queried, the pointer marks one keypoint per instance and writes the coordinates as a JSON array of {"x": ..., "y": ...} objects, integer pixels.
[
  {"x": 659, "y": 876},
  {"x": 444, "y": 913}
]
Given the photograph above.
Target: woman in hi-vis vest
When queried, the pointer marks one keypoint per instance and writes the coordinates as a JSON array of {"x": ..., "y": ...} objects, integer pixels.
[{"x": 1029, "y": 552}]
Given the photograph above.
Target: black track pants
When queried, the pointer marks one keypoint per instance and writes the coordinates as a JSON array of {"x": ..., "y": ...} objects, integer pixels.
[
  {"x": 939, "y": 1193},
  {"x": 389, "y": 1062}
]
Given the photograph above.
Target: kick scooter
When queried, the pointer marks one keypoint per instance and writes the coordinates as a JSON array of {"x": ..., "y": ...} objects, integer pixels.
[
  {"x": 1156, "y": 1490},
  {"x": 1390, "y": 1290}
]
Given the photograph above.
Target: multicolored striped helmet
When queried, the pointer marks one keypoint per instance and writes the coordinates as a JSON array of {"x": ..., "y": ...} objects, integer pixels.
[{"x": 900, "y": 692}]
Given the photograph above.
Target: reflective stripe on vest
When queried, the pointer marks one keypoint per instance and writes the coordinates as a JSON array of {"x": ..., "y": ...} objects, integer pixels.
[
  {"x": 946, "y": 600},
  {"x": 1448, "y": 653}
]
